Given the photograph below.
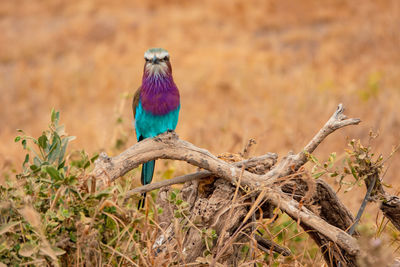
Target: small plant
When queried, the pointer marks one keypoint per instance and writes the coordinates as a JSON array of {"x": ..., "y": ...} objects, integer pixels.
[{"x": 358, "y": 162}]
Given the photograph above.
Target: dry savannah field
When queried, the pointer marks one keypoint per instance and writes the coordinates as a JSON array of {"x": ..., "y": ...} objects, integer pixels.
[{"x": 270, "y": 70}]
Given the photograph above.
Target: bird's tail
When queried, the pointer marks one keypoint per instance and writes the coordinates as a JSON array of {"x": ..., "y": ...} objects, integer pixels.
[{"x": 147, "y": 176}]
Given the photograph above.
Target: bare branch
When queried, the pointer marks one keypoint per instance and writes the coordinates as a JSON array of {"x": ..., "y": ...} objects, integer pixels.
[
  {"x": 164, "y": 183},
  {"x": 268, "y": 245},
  {"x": 336, "y": 121},
  {"x": 291, "y": 207},
  {"x": 169, "y": 146},
  {"x": 292, "y": 163},
  {"x": 264, "y": 161}
]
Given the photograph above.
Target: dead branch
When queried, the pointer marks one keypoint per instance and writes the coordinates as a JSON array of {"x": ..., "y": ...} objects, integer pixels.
[
  {"x": 262, "y": 162},
  {"x": 390, "y": 206},
  {"x": 292, "y": 163},
  {"x": 169, "y": 146},
  {"x": 267, "y": 245},
  {"x": 328, "y": 206},
  {"x": 308, "y": 218}
]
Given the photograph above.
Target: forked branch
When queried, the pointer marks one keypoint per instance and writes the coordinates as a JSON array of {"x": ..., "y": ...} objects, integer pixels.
[{"x": 169, "y": 146}]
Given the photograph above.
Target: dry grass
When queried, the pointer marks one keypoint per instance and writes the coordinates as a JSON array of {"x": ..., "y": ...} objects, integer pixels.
[{"x": 269, "y": 70}]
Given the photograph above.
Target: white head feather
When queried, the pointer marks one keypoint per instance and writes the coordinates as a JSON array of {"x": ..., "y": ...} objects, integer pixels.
[{"x": 160, "y": 66}]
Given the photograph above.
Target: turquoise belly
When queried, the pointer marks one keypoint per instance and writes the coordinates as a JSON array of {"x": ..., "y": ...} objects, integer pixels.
[{"x": 149, "y": 125}]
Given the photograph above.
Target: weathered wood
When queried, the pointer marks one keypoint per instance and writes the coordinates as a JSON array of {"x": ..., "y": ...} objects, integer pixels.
[
  {"x": 292, "y": 162},
  {"x": 309, "y": 219},
  {"x": 260, "y": 163},
  {"x": 324, "y": 203},
  {"x": 213, "y": 207},
  {"x": 169, "y": 146},
  {"x": 390, "y": 206}
]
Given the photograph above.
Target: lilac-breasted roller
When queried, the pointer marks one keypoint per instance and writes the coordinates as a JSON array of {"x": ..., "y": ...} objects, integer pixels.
[{"x": 155, "y": 104}]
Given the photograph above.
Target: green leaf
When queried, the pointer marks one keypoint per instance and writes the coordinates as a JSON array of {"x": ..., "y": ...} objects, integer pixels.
[
  {"x": 26, "y": 160},
  {"x": 313, "y": 159},
  {"x": 92, "y": 159},
  {"x": 54, "y": 174},
  {"x": 24, "y": 143},
  {"x": 7, "y": 227},
  {"x": 55, "y": 116},
  {"x": 34, "y": 167},
  {"x": 101, "y": 194},
  {"x": 17, "y": 139},
  {"x": 334, "y": 174},
  {"x": 65, "y": 213},
  {"x": 319, "y": 174},
  {"x": 72, "y": 236},
  {"x": 177, "y": 214},
  {"x": 87, "y": 164},
  {"x": 353, "y": 172},
  {"x": 64, "y": 144},
  {"x": 61, "y": 165},
  {"x": 43, "y": 141},
  {"x": 54, "y": 152}
]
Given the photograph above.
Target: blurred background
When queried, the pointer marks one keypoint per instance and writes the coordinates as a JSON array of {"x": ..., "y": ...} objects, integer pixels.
[{"x": 269, "y": 70}]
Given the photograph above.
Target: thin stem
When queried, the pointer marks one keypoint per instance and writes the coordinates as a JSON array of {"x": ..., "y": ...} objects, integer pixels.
[{"x": 362, "y": 207}]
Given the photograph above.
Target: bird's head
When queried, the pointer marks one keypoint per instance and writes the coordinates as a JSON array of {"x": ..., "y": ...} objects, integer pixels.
[{"x": 157, "y": 62}]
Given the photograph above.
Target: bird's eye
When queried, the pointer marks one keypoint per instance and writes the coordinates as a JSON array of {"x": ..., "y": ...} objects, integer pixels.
[
  {"x": 165, "y": 58},
  {"x": 147, "y": 60}
]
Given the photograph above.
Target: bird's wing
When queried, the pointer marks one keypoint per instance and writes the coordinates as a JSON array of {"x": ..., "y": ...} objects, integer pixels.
[{"x": 135, "y": 101}]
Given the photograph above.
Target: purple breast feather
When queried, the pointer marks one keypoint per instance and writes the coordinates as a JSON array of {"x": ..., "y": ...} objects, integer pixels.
[{"x": 159, "y": 95}]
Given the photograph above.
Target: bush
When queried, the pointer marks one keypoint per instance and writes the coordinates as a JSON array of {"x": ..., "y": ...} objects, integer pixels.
[{"x": 49, "y": 216}]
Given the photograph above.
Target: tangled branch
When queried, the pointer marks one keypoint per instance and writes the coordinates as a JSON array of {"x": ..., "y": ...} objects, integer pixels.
[{"x": 169, "y": 146}]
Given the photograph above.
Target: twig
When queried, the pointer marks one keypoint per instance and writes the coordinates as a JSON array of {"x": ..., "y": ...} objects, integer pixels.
[
  {"x": 164, "y": 183},
  {"x": 292, "y": 163},
  {"x": 267, "y": 245},
  {"x": 362, "y": 207},
  {"x": 267, "y": 160}
]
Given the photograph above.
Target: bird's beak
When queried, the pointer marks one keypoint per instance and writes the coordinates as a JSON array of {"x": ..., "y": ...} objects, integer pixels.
[{"x": 154, "y": 60}]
